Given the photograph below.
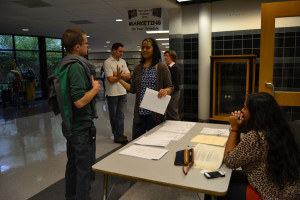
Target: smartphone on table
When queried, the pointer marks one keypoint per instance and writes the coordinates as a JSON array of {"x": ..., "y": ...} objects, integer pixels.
[{"x": 215, "y": 174}]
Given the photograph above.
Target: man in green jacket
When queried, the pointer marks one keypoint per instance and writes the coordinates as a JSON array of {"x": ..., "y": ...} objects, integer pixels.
[{"x": 82, "y": 91}]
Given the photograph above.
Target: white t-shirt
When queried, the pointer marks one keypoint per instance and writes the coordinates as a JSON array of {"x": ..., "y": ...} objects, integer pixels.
[{"x": 110, "y": 66}]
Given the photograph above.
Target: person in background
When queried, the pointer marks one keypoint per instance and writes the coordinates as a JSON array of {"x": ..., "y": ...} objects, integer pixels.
[
  {"x": 152, "y": 74},
  {"x": 115, "y": 93},
  {"x": 81, "y": 148},
  {"x": 172, "y": 110},
  {"x": 268, "y": 152}
]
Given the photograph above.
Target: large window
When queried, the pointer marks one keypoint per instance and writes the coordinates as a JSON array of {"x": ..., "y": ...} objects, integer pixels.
[
  {"x": 53, "y": 53},
  {"x": 28, "y": 60},
  {"x": 30, "y": 55}
]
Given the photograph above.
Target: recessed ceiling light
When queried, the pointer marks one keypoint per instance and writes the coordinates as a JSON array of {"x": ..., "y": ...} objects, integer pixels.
[
  {"x": 162, "y": 39},
  {"x": 107, "y": 42},
  {"x": 153, "y": 32},
  {"x": 119, "y": 20},
  {"x": 167, "y": 47},
  {"x": 25, "y": 29},
  {"x": 88, "y": 36},
  {"x": 108, "y": 50},
  {"x": 105, "y": 46},
  {"x": 138, "y": 46},
  {"x": 164, "y": 43}
]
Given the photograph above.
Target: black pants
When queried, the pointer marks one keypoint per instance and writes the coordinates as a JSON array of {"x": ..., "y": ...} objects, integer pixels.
[
  {"x": 79, "y": 174},
  {"x": 237, "y": 187},
  {"x": 147, "y": 123}
]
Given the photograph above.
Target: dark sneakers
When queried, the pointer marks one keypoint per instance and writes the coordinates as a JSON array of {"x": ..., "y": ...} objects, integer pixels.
[{"x": 121, "y": 140}]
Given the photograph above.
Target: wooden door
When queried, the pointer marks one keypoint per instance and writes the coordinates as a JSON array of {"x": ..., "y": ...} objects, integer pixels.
[{"x": 270, "y": 11}]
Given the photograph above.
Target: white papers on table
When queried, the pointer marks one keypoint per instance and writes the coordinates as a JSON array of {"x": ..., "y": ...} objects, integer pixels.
[
  {"x": 152, "y": 141},
  {"x": 180, "y": 123},
  {"x": 175, "y": 129},
  {"x": 214, "y": 131},
  {"x": 208, "y": 157},
  {"x": 144, "y": 152},
  {"x": 153, "y": 103},
  {"x": 165, "y": 135}
]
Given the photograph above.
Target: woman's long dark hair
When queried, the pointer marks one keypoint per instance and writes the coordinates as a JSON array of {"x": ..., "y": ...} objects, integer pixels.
[
  {"x": 283, "y": 156},
  {"x": 156, "y": 56}
]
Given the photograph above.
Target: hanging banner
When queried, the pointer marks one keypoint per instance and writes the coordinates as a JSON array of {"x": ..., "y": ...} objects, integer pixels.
[{"x": 145, "y": 19}]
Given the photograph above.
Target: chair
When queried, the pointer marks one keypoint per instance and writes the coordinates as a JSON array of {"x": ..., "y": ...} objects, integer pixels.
[{"x": 252, "y": 194}]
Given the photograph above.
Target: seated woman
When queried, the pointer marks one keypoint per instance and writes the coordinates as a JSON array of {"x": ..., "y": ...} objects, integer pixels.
[
  {"x": 153, "y": 74},
  {"x": 268, "y": 151}
]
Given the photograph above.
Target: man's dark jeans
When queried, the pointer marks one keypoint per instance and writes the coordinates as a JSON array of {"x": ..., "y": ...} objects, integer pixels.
[
  {"x": 79, "y": 175},
  {"x": 116, "y": 108}
]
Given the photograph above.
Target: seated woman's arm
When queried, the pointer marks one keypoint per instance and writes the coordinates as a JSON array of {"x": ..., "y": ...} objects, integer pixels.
[{"x": 234, "y": 135}]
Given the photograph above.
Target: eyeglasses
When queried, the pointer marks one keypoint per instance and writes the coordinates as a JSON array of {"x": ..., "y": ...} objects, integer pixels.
[{"x": 148, "y": 40}]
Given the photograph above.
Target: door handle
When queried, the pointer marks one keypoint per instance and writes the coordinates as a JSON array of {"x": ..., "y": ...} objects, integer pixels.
[{"x": 272, "y": 85}]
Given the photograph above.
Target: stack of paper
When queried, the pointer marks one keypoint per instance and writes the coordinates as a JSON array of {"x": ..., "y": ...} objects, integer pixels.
[
  {"x": 208, "y": 157},
  {"x": 152, "y": 141},
  {"x": 215, "y": 131},
  {"x": 144, "y": 152},
  {"x": 179, "y": 123},
  {"x": 165, "y": 135}
]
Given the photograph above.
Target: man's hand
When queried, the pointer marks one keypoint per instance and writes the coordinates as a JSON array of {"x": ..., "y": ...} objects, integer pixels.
[
  {"x": 96, "y": 84},
  {"x": 119, "y": 73}
]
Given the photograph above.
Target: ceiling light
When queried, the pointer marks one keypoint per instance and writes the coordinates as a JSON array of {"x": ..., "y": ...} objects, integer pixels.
[
  {"x": 165, "y": 43},
  {"x": 107, "y": 42},
  {"x": 162, "y": 39},
  {"x": 25, "y": 29},
  {"x": 108, "y": 50},
  {"x": 105, "y": 46},
  {"x": 167, "y": 47},
  {"x": 87, "y": 36},
  {"x": 119, "y": 20},
  {"x": 183, "y": 0},
  {"x": 153, "y": 32}
]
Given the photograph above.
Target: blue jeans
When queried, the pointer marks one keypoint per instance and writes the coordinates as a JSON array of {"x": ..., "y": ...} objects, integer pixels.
[
  {"x": 147, "y": 123},
  {"x": 79, "y": 174},
  {"x": 116, "y": 108}
]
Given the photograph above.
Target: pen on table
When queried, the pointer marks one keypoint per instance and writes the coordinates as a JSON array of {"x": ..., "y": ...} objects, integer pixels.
[{"x": 191, "y": 145}]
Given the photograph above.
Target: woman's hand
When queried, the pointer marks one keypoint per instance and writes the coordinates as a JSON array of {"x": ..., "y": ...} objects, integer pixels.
[
  {"x": 162, "y": 93},
  {"x": 236, "y": 119}
]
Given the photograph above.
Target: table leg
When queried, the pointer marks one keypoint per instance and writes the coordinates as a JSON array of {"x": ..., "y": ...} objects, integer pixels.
[
  {"x": 212, "y": 197},
  {"x": 105, "y": 180}
]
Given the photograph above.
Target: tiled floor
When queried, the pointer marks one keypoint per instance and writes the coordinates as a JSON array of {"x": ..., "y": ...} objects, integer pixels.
[
  {"x": 33, "y": 156},
  {"x": 32, "y": 147}
]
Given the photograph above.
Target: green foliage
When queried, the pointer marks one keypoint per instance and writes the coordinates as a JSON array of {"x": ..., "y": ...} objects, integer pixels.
[
  {"x": 53, "y": 44},
  {"x": 6, "y": 42},
  {"x": 26, "y": 43}
]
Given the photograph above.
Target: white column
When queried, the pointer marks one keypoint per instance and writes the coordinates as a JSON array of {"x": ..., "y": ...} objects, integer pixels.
[
  {"x": 204, "y": 47},
  {"x": 175, "y": 21}
]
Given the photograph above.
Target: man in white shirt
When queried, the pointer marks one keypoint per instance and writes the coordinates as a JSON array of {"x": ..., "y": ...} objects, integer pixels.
[{"x": 115, "y": 93}]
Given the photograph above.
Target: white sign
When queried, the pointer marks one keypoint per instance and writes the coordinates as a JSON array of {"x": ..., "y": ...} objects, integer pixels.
[{"x": 145, "y": 19}]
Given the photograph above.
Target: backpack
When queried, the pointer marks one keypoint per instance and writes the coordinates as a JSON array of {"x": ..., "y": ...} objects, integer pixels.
[{"x": 58, "y": 85}]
